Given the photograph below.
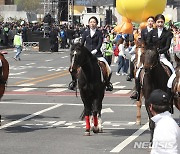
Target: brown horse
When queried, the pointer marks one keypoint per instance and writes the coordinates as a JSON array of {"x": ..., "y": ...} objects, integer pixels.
[
  {"x": 5, "y": 74},
  {"x": 138, "y": 62},
  {"x": 176, "y": 84}
]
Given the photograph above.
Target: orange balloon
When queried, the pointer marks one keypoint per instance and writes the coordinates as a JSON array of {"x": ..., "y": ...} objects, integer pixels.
[
  {"x": 143, "y": 25},
  {"x": 125, "y": 27}
]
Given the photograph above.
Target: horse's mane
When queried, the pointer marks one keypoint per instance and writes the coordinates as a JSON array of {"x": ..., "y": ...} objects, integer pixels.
[{"x": 81, "y": 48}]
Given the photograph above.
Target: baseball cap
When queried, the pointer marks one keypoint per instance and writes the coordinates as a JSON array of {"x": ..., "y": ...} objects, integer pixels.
[{"x": 158, "y": 97}]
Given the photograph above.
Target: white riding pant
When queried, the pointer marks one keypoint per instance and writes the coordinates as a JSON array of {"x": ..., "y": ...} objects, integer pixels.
[
  {"x": 166, "y": 62},
  {"x": 138, "y": 71},
  {"x": 107, "y": 65},
  {"x": 171, "y": 79},
  {"x": 0, "y": 63}
]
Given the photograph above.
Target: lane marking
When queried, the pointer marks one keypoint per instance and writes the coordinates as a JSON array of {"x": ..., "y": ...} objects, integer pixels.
[
  {"x": 115, "y": 83},
  {"x": 122, "y": 92},
  {"x": 19, "y": 73},
  {"x": 26, "y": 85},
  {"x": 57, "y": 85},
  {"x": 127, "y": 141},
  {"x": 25, "y": 89},
  {"x": 70, "y": 104},
  {"x": 41, "y": 77},
  {"x": 49, "y": 78},
  {"x": 118, "y": 87},
  {"x": 57, "y": 90},
  {"x": 29, "y": 103},
  {"x": 30, "y": 116}
]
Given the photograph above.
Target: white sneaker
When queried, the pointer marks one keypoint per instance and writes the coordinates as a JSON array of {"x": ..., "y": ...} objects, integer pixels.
[
  {"x": 124, "y": 74},
  {"x": 118, "y": 73}
]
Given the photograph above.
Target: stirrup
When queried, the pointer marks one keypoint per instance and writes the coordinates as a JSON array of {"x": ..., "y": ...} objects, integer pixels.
[
  {"x": 72, "y": 85},
  {"x": 109, "y": 87}
]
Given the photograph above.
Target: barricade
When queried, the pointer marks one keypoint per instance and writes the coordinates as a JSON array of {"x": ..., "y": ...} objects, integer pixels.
[{"x": 31, "y": 46}]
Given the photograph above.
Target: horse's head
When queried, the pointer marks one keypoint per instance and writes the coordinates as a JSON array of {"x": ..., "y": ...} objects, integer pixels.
[
  {"x": 140, "y": 48},
  {"x": 78, "y": 56},
  {"x": 151, "y": 59}
]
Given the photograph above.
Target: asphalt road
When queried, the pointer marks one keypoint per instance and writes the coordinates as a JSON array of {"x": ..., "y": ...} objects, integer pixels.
[{"x": 41, "y": 116}]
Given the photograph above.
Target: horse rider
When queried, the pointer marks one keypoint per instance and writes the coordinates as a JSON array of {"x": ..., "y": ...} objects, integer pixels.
[
  {"x": 93, "y": 39},
  {"x": 160, "y": 39},
  {"x": 143, "y": 39}
]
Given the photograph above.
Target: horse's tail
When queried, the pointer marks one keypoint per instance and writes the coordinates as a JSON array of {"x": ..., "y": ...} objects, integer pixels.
[{"x": 82, "y": 116}]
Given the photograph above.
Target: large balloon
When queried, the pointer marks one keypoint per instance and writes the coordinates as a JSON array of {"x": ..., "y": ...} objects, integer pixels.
[
  {"x": 125, "y": 27},
  {"x": 140, "y": 10}
]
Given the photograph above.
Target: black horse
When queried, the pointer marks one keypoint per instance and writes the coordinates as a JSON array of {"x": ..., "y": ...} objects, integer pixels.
[
  {"x": 154, "y": 77},
  {"x": 90, "y": 82}
]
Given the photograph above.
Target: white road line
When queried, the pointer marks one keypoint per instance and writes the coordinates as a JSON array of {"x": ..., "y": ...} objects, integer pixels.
[
  {"x": 30, "y": 116},
  {"x": 49, "y": 60},
  {"x": 31, "y": 64},
  {"x": 118, "y": 87},
  {"x": 57, "y": 90},
  {"x": 122, "y": 92},
  {"x": 70, "y": 104},
  {"x": 19, "y": 73},
  {"x": 115, "y": 83},
  {"x": 58, "y": 123},
  {"x": 25, "y": 89},
  {"x": 57, "y": 85},
  {"x": 64, "y": 57},
  {"x": 26, "y": 84},
  {"x": 28, "y": 103},
  {"x": 123, "y": 144}
]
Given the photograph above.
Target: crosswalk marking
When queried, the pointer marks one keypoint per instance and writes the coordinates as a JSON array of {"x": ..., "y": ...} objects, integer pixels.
[
  {"x": 57, "y": 90},
  {"x": 122, "y": 92},
  {"x": 25, "y": 89},
  {"x": 57, "y": 85},
  {"x": 26, "y": 84}
]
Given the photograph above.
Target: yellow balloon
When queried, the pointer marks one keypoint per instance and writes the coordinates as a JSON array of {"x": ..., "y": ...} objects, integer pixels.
[{"x": 140, "y": 10}]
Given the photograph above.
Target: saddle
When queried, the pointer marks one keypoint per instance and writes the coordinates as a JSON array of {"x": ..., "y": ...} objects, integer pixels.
[
  {"x": 104, "y": 70},
  {"x": 166, "y": 69}
]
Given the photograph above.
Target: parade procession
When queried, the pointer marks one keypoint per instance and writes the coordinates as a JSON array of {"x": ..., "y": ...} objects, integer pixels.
[{"x": 90, "y": 77}]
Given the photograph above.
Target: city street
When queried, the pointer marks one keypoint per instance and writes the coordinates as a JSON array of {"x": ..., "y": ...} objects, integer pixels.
[{"x": 41, "y": 116}]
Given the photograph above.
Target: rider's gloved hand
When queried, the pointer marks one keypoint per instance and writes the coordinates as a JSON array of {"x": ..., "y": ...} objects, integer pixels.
[{"x": 94, "y": 51}]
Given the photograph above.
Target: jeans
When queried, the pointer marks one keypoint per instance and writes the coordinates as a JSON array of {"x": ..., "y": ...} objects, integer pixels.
[
  {"x": 121, "y": 62},
  {"x": 18, "y": 52}
]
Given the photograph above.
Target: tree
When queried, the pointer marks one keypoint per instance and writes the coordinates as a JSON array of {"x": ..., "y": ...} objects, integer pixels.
[{"x": 28, "y": 5}]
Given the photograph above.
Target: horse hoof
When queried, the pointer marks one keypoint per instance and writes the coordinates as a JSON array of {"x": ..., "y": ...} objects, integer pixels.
[
  {"x": 100, "y": 130},
  {"x": 95, "y": 129},
  {"x": 87, "y": 133},
  {"x": 138, "y": 123}
]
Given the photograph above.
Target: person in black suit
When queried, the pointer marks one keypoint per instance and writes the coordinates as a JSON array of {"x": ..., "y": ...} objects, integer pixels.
[
  {"x": 149, "y": 28},
  {"x": 160, "y": 39},
  {"x": 92, "y": 38},
  {"x": 144, "y": 35}
]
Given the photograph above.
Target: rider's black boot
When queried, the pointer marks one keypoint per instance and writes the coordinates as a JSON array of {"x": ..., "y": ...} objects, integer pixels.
[
  {"x": 1, "y": 78},
  {"x": 109, "y": 86},
  {"x": 136, "y": 93}
]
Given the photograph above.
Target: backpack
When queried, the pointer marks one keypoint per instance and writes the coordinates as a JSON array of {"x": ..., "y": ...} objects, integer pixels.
[{"x": 116, "y": 51}]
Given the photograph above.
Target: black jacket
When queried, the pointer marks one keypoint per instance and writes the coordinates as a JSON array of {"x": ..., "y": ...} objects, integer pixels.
[
  {"x": 144, "y": 34},
  {"x": 94, "y": 42},
  {"x": 161, "y": 44}
]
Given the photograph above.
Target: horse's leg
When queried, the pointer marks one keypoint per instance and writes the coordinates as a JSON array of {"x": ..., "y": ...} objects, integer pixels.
[
  {"x": 138, "y": 115},
  {"x": 95, "y": 118},
  {"x": 87, "y": 118},
  {"x": 100, "y": 123},
  {"x": 151, "y": 123}
]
